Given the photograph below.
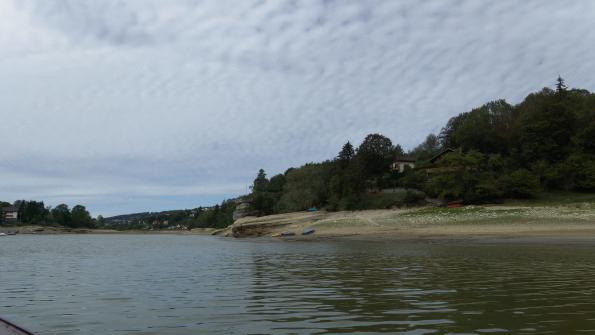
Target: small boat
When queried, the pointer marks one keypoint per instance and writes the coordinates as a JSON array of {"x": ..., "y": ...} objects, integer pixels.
[
  {"x": 275, "y": 234},
  {"x": 287, "y": 233},
  {"x": 308, "y": 231},
  {"x": 9, "y": 328},
  {"x": 8, "y": 234}
]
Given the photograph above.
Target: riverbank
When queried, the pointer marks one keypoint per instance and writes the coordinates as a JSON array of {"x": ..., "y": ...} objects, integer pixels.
[
  {"x": 563, "y": 220},
  {"x": 551, "y": 217},
  {"x": 54, "y": 230}
]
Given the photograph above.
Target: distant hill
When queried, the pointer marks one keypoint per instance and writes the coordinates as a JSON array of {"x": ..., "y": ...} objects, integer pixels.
[{"x": 128, "y": 218}]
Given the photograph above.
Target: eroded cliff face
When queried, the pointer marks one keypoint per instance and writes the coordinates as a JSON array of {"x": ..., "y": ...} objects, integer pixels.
[
  {"x": 252, "y": 226},
  {"x": 242, "y": 210}
]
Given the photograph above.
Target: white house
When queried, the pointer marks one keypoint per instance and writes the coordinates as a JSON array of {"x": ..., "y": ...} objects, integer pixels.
[
  {"x": 9, "y": 214},
  {"x": 401, "y": 163}
]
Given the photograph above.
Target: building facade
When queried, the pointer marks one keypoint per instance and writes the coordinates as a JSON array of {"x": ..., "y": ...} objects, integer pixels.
[
  {"x": 9, "y": 214},
  {"x": 400, "y": 163}
]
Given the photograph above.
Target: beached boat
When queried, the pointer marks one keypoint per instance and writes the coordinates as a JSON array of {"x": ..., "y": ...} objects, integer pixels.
[
  {"x": 308, "y": 231},
  {"x": 287, "y": 233},
  {"x": 9, "y": 328}
]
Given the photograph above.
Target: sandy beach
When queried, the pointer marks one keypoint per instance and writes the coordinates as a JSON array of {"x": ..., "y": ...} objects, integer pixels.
[{"x": 574, "y": 221}]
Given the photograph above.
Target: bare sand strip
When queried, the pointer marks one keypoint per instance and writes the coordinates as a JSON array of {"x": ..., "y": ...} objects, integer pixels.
[{"x": 565, "y": 222}]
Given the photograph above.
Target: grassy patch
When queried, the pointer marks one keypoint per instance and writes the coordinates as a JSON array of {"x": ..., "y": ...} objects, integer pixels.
[{"x": 443, "y": 211}]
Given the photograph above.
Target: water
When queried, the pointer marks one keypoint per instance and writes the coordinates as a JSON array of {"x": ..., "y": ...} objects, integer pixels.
[{"x": 157, "y": 284}]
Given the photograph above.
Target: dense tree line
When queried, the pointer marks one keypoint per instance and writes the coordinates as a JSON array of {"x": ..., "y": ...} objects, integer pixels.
[
  {"x": 341, "y": 183},
  {"x": 36, "y": 213},
  {"x": 498, "y": 150}
]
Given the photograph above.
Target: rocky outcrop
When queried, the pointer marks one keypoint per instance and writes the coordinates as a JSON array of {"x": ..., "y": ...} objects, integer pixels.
[
  {"x": 243, "y": 207},
  {"x": 259, "y": 226},
  {"x": 242, "y": 210}
]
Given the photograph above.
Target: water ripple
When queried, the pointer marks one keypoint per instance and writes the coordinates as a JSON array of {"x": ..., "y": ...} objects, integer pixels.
[{"x": 188, "y": 285}]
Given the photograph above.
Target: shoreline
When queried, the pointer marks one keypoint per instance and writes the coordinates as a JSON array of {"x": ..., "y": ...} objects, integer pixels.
[
  {"x": 507, "y": 223},
  {"x": 53, "y": 230},
  {"x": 563, "y": 221}
]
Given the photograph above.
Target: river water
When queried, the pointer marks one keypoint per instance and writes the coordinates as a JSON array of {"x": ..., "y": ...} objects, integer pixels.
[{"x": 162, "y": 284}]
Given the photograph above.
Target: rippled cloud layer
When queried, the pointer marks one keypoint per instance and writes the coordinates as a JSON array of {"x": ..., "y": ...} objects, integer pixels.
[{"x": 133, "y": 105}]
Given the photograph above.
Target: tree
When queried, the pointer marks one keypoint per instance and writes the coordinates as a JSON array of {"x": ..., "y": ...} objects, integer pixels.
[
  {"x": 261, "y": 181},
  {"x": 306, "y": 187},
  {"x": 428, "y": 149},
  {"x": 545, "y": 130},
  {"x": 100, "y": 221},
  {"x": 346, "y": 155},
  {"x": 262, "y": 200},
  {"x": 520, "y": 184},
  {"x": 80, "y": 217},
  {"x": 375, "y": 154},
  {"x": 585, "y": 138},
  {"x": 32, "y": 212},
  {"x": 561, "y": 88},
  {"x": 485, "y": 129},
  {"x": 61, "y": 215}
]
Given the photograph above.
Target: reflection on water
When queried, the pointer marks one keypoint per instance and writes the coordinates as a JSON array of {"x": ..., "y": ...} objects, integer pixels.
[{"x": 190, "y": 285}]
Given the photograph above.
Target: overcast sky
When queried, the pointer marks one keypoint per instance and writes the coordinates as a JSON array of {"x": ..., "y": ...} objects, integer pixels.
[{"x": 137, "y": 105}]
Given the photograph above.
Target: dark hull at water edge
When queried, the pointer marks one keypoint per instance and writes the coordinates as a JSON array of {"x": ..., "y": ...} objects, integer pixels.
[{"x": 9, "y": 328}]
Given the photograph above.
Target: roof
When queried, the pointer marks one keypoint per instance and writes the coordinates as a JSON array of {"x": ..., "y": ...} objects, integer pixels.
[
  {"x": 440, "y": 154},
  {"x": 405, "y": 159},
  {"x": 9, "y": 209}
]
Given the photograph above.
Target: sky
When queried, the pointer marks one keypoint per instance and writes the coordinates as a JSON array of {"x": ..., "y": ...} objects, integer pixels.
[{"x": 145, "y": 105}]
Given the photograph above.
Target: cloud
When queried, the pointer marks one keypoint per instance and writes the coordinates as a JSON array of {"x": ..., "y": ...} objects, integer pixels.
[{"x": 108, "y": 100}]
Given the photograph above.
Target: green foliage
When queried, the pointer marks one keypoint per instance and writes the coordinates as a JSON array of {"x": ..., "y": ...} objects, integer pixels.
[
  {"x": 267, "y": 193},
  {"x": 545, "y": 132},
  {"x": 413, "y": 178},
  {"x": 375, "y": 154},
  {"x": 220, "y": 216},
  {"x": 36, "y": 213},
  {"x": 32, "y": 212},
  {"x": 261, "y": 182},
  {"x": 561, "y": 87},
  {"x": 547, "y": 142},
  {"x": 80, "y": 217},
  {"x": 61, "y": 215},
  {"x": 100, "y": 222},
  {"x": 484, "y": 129},
  {"x": 428, "y": 149},
  {"x": 345, "y": 155},
  {"x": 519, "y": 184},
  {"x": 413, "y": 198},
  {"x": 306, "y": 187}
]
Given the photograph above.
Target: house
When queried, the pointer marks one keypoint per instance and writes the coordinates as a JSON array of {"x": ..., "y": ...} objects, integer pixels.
[
  {"x": 9, "y": 214},
  {"x": 401, "y": 162}
]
